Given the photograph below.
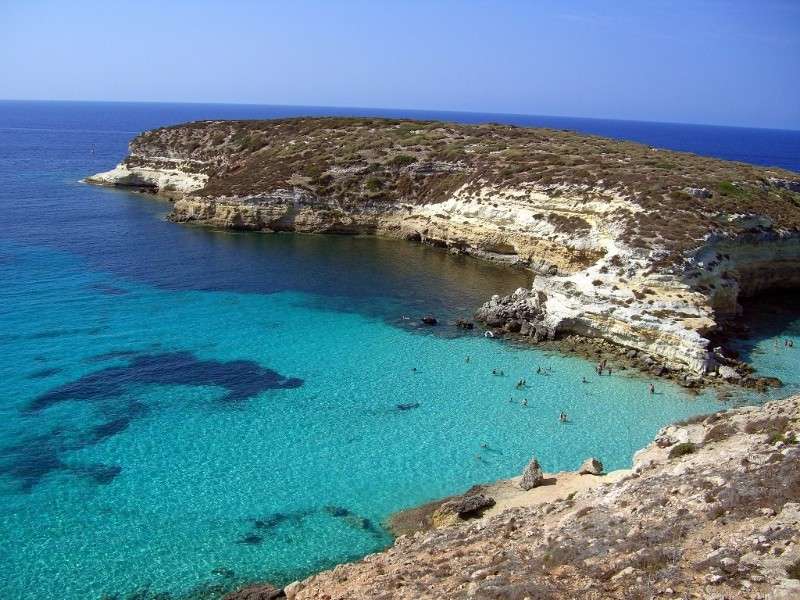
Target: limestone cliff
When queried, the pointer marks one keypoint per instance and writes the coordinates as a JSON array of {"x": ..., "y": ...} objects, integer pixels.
[{"x": 646, "y": 248}]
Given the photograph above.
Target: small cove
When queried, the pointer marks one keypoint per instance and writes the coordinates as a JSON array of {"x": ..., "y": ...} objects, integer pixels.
[{"x": 185, "y": 410}]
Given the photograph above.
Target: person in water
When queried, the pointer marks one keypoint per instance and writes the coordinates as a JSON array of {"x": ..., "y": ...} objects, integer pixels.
[
  {"x": 652, "y": 389},
  {"x": 584, "y": 380},
  {"x": 525, "y": 402},
  {"x": 562, "y": 417},
  {"x": 466, "y": 359}
]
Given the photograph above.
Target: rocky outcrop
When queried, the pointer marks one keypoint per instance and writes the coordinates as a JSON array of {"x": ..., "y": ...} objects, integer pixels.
[
  {"x": 531, "y": 476},
  {"x": 648, "y": 249},
  {"x": 719, "y": 521},
  {"x": 591, "y": 466}
]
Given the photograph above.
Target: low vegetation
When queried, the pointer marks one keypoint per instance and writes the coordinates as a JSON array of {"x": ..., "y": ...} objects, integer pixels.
[{"x": 676, "y": 200}]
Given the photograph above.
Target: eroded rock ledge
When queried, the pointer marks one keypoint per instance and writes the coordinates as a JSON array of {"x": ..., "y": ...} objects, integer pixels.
[
  {"x": 649, "y": 249},
  {"x": 711, "y": 509}
]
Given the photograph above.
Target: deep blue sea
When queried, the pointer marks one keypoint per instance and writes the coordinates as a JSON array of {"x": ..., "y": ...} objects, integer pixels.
[{"x": 184, "y": 410}]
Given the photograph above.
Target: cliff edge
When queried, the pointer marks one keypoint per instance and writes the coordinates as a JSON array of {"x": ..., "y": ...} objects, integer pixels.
[
  {"x": 649, "y": 249},
  {"x": 711, "y": 509}
]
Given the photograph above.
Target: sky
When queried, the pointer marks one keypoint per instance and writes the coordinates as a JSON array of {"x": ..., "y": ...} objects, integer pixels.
[{"x": 726, "y": 62}]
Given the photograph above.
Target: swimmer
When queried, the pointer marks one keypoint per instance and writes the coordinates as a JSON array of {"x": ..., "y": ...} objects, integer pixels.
[
  {"x": 466, "y": 359},
  {"x": 562, "y": 417},
  {"x": 584, "y": 380},
  {"x": 484, "y": 445},
  {"x": 494, "y": 371},
  {"x": 525, "y": 402},
  {"x": 652, "y": 389},
  {"x": 538, "y": 370}
]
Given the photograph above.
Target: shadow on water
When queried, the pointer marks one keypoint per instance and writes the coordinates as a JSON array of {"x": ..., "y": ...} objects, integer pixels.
[
  {"x": 36, "y": 455},
  {"x": 767, "y": 316}
]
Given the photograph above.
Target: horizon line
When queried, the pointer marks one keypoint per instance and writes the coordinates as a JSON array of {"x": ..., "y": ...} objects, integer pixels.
[{"x": 387, "y": 108}]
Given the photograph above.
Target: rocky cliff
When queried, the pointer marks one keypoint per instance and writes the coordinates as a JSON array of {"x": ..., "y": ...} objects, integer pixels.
[
  {"x": 649, "y": 249},
  {"x": 711, "y": 509}
]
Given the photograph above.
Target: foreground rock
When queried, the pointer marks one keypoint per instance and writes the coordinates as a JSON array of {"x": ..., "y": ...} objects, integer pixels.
[
  {"x": 649, "y": 249},
  {"x": 591, "y": 466},
  {"x": 720, "y": 521},
  {"x": 531, "y": 476},
  {"x": 257, "y": 592}
]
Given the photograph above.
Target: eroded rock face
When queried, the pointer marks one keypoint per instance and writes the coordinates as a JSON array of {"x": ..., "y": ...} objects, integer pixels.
[
  {"x": 657, "y": 272},
  {"x": 720, "y": 522}
]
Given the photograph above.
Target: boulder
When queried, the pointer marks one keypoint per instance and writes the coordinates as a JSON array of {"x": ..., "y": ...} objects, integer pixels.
[
  {"x": 513, "y": 326},
  {"x": 469, "y": 506},
  {"x": 591, "y": 466},
  {"x": 495, "y": 320},
  {"x": 429, "y": 320},
  {"x": 462, "y": 508},
  {"x": 462, "y": 324},
  {"x": 728, "y": 373},
  {"x": 698, "y": 192},
  {"x": 531, "y": 476},
  {"x": 262, "y": 591}
]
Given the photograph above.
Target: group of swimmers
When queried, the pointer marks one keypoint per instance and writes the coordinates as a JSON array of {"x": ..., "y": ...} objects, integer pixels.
[{"x": 602, "y": 366}]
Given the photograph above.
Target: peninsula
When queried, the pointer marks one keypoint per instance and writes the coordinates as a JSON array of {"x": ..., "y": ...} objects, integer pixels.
[{"x": 648, "y": 250}]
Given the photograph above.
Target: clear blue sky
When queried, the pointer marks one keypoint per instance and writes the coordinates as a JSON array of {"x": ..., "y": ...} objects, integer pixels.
[{"x": 731, "y": 62}]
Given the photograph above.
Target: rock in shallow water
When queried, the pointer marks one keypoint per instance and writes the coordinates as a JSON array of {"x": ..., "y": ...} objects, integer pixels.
[{"x": 256, "y": 592}]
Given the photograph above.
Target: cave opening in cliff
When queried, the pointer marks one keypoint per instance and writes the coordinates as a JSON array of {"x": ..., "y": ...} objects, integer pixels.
[{"x": 769, "y": 314}]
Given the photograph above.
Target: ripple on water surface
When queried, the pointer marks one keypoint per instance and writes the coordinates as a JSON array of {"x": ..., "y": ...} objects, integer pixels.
[{"x": 176, "y": 439}]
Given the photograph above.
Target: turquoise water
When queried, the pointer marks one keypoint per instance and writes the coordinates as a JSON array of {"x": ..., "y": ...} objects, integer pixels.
[{"x": 184, "y": 410}]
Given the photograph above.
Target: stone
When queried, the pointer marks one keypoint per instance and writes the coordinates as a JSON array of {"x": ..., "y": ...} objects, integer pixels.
[
  {"x": 262, "y": 591},
  {"x": 463, "y": 324},
  {"x": 429, "y": 320},
  {"x": 698, "y": 192},
  {"x": 591, "y": 466},
  {"x": 532, "y": 475},
  {"x": 728, "y": 373},
  {"x": 292, "y": 590},
  {"x": 465, "y": 507}
]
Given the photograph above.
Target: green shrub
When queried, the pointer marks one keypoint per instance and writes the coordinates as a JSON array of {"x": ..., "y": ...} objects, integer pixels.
[
  {"x": 402, "y": 160},
  {"x": 373, "y": 184},
  {"x": 682, "y": 449}
]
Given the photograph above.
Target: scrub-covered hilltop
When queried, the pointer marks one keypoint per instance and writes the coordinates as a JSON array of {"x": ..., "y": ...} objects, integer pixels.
[{"x": 647, "y": 248}]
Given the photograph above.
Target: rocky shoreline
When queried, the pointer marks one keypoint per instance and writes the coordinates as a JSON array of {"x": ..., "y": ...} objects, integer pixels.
[
  {"x": 509, "y": 318},
  {"x": 710, "y": 509},
  {"x": 646, "y": 249}
]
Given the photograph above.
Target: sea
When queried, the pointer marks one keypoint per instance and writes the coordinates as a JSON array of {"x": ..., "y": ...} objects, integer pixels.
[{"x": 184, "y": 411}]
